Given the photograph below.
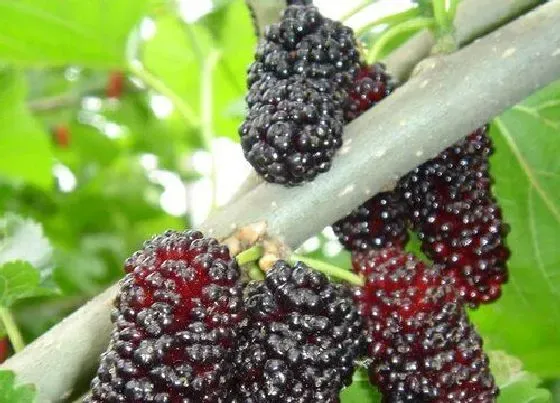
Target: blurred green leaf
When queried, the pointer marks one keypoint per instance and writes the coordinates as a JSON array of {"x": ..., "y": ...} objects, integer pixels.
[
  {"x": 26, "y": 153},
  {"x": 236, "y": 40},
  {"x": 175, "y": 56},
  {"x": 516, "y": 385},
  {"x": 87, "y": 145},
  {"x": 177, "y": 52},
  {"x": 10, "y": 393},
  {"x": 23, "y": 239},
  {"x": 19, "y": 280},
  {"x": 93, "y": 33},
  {"x": 526, "y": 169}
]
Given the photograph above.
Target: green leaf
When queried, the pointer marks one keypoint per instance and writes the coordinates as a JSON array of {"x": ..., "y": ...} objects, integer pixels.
[
  {"x": 236, "y": 42},
  {"x": 19, "y": 280},
  {"x": 516, "y": 385},
  {"x": 93, "y": 33},
  {"x": 26, "y": 153},
  {"x": 10, "y": 393},
  {"x": 360, "y": 390},
  {"x": 23, "y": 239},
  {"x": 526, "y": 169}
]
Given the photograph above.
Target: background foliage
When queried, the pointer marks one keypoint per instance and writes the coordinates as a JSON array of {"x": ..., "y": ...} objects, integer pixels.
[{"x": 83, "y": 109}]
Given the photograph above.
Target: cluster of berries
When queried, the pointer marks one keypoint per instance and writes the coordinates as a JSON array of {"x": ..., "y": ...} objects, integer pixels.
[
  {"x": 187, "y": 329},
  {"x": 447, "y": 200}
]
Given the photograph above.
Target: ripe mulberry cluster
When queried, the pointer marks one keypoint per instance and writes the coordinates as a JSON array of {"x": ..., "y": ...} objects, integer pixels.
[
  {"x": 176, "y": 320},
  {"x": 303, "y": 336},
  {"x": 447, "y": 201},
  {"x": 422, "y": 345},
  {"x": 298, "y": 84},
  {"x": 458, "y": 221}
]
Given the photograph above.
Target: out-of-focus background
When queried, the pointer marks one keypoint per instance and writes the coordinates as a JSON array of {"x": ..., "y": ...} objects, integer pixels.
[{"x": 118, "y": 120}]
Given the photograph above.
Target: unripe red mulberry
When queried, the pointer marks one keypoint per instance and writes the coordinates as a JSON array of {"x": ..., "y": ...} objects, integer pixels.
[
  {"x": 176, "y": 318},
  {"x": 297, "y": 88},
  {"x": 303, "y": 336},
  {"x": 422, "y": 345},
  {"x": 457, "y": 219}
]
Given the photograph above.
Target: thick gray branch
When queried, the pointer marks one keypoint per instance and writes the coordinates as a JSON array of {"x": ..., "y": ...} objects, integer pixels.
[
  {"x": 474, "y": 18},
  {"x": 456, "y": 94}
]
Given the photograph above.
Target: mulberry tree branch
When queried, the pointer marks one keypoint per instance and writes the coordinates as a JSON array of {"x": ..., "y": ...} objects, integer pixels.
[
  {"x": 450, "y": 97},
  {"x": 473, "y": 19}
]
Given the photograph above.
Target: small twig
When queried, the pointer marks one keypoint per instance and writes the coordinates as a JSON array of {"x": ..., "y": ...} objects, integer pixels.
[
  {"x": 389, "y": 20},
  {"x": 359, "y": 8},
  {"x": 440, "y": 14},
  {"x": 156, "y": 84},
  {"x": 249, "y": 255},
  {"x": 206, "y": 107},
  {"x": 415, "y": 24},
  {"x": 329, "y": 269},
  {"x": 12, "y": 329}
]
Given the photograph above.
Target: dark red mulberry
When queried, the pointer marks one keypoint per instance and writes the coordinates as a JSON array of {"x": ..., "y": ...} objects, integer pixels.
[
  {"x": 381, "y": 221},
  {"x": 297, "y": 88},
  {"x": 422, "y": 345},
  {"x": 378, "y": 223},
  {"x": 176, "y": 318},
  {"x": 371, "y": 85},
  {"x": 457, "y": 219},
  {"x": 303, "y": 336}
]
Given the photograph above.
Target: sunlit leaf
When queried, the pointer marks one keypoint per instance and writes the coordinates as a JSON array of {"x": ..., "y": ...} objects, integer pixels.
[
  {"x": 57, "y": 32},
  {"x": 526, "y": 169},
  {"x": 26, "y": 153}
]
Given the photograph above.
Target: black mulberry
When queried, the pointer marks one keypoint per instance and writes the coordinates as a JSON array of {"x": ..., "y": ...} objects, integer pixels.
[
  {"x": 297, "y": 88},
  {"x": 176, "y": 318},
  {"x": 458, "y": 220},
  {"x": 303, "y": 336}
]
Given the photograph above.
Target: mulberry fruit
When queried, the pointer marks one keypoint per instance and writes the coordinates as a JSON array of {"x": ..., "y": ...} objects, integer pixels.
[
  {"x": 297, "y": 88},
  {"x": 381, "y": 221},
  {"x": 176, "y": 318},
  {"x": 458, "y": 221},
  {"x": 371, "y": 85},
  {"x": 422, "y": 346},
  {"x": 303, "y": 336},
  {"x": 378, "y": 223}
]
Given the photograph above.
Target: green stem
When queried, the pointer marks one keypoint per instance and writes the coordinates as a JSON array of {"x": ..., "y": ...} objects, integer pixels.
[
  {"x": 363, "y": 5},
  {"x": 249, "y": 255},
  {"x": 452, "y": 11},
  {"x": 11, "y": 329},
  {"x": 157, "y": 85},
  {"x": 440, "y": 14},
  {"x": 329, "y": 269},
  {"x": 412, "y": 25},
  {"x": 390, "y": 20},
  {"x": 206, "y": 107},
  {"x": 255, "y": 272}
]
